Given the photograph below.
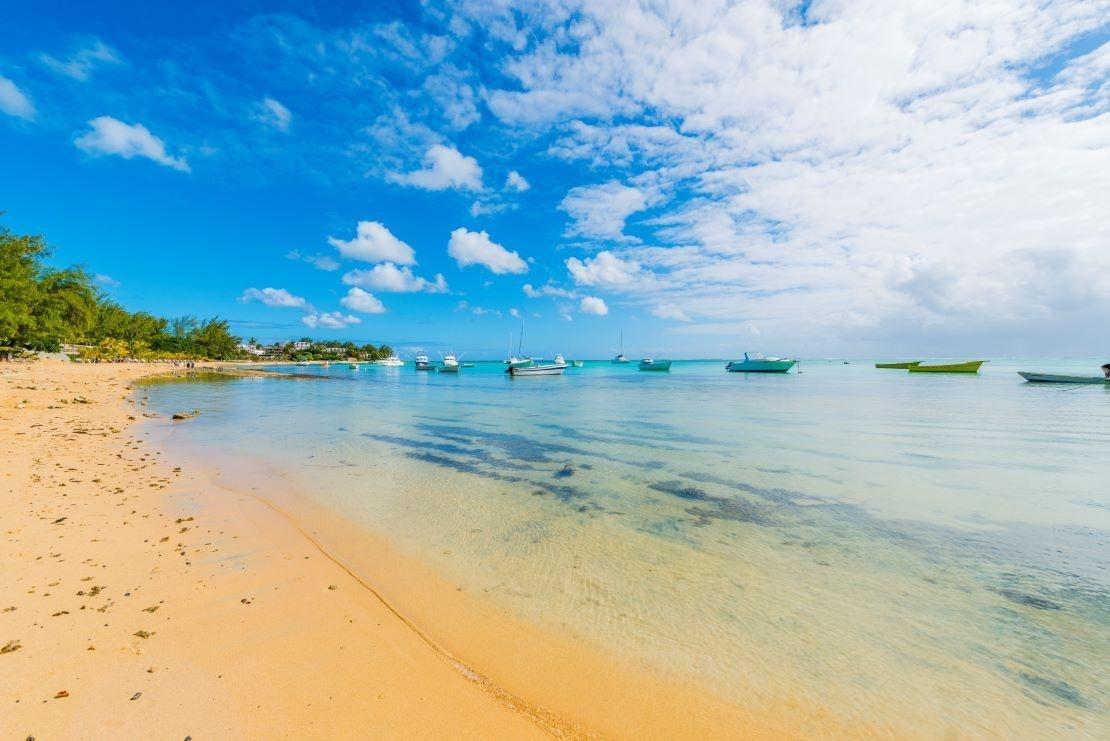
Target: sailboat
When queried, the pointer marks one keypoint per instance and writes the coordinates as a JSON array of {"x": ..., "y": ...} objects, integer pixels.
[
  {"x": 620, "y": 358},
  {"x": 518, "y": 360}
]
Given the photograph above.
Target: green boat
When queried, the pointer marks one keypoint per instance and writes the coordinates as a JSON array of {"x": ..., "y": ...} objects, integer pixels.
[
  {"x": 1058, "y": 378},
  {"x": 898, "y": 366},
  {"x": 971, "y": 366}
]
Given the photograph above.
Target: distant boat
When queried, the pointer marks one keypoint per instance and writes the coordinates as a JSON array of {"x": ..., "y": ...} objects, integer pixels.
[
  {"x": 450, "y": 364},
  {"x": 353, "y": 366},
  {"x": 971, "y": 366},
  {"x": 302, "y": 363},
  {"x": 577, "y": 363},
  {"x": 620, "y": 359},
  {"x": 756, "y": 363},
  {"x": 392, "y": 361},
  {"x": 517, "y": 359},
  {"x": 549, "y": 369},
  {"x": 898, "y": 366},
  {"x": 650, "y": 364},
  {"x": 1058, "y": 378},
  {"x": 466, "y": 365},
  {"x": 422, "y": 363}
]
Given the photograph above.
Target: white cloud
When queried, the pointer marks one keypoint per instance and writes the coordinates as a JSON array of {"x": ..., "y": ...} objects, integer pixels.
[
  {"x": 444, "y": 168},
  {"x": 841, "y": 172},
  {"x": 272, "y": 113},
  {"x": 604, "y": 269},
  {"x": 320, "y": 262},
  {"x": 106, "y": 280},
  {"x": 476, "y": 248},
  {"x": 545, "y": 290},
  {"x": 330, "y": 320},
  {"x": 392, "y": 279},
  {"x": 112, "y": 136},
  {"x": 514, "y": 313},
  {"x": 274, "y": 297},
  {"x": 593, "y": 305},
  {"x": 515, "y": 181},
  {"x": 361, "y": 301},
  {"x": 600, "y": 211},
  {"x": 14, "y": 101},
  {"x": 374, "y": 243},
  {"x": 670, "y": 311},
  {"x": 81, "y": 63}
]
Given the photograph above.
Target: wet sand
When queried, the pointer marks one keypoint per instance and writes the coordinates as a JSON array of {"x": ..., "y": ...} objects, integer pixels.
[{"x": 140, "y": 602}]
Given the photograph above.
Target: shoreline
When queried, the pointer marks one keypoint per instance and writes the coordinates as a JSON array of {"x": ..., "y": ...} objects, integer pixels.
[
  {"x": 464, "y": 665},
  {"x": 139, "y": 601}
]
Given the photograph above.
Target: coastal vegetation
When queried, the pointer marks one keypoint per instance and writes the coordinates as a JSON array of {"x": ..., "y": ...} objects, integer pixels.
[{"x": 43, "y": 308}]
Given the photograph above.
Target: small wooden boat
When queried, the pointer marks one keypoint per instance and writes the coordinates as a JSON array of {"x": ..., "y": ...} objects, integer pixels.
[
  {"x": 650, "y": 364},
  {"x": 898, "y": 366},
  {"x": 971, "y": 366},
  {"x": 756, "y": 363},
  {"x": 1059, "y": 378}
]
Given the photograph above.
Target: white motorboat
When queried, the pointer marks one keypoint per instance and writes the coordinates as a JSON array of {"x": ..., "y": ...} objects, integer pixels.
[
  {"x": 422, "y": 362},
  {"x": 541, "y": 369},
  {"x": 450, "y": 364},
  {"x": 393, "y": 361}
]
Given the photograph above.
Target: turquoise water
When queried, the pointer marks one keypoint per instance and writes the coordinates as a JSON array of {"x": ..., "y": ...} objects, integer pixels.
[{"x": 928, "y": 550}]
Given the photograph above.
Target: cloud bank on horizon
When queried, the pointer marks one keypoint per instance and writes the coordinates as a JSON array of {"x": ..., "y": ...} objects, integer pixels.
[{"x": 841, "y": 173}]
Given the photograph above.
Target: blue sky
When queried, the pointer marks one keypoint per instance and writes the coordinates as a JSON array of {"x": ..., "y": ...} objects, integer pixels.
[{"x": 817, "y": 178}]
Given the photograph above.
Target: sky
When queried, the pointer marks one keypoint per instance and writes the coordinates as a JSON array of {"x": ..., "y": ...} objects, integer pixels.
[{"x": 847, "y": 178}]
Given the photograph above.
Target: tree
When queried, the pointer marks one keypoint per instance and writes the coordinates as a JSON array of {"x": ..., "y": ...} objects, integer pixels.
[
  {"x": 20, "y": 263},
  {"x": 213, "y": 339}
]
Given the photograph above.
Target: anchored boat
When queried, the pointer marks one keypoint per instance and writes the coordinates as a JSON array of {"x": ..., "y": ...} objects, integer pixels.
[
  {"x": 393, "y": 361},
  {"x": 548, "y": 369},
  {"x": 450, "y": 364},
  {"x": 756, "y": 363},
  {"x": 620, "y": 359},
  {"x": 650, "y": 364},
  {"x": 1059, "y": 378},
  {"x": 971, "y": 366},
  {"x": 898, "y": 366},
  {"x": 422, "y": 363}
]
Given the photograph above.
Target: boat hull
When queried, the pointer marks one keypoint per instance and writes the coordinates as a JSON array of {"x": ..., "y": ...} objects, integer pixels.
[
  {"x": 1059, "y": 378},
  {"x": 538, "y": 370},
  {"x": 448, "y": 369},
  {"x": 760, "y": 366},
  {"x": 898, "y": 366},
  {"x": 657, "y": 365},
  {"x": 969, "y": 367}
]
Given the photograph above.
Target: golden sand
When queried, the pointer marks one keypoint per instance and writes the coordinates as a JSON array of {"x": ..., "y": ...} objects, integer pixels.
[{"x": 144, "y": 600}]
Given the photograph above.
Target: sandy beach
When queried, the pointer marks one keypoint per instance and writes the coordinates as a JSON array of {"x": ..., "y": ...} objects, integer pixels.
[{"x": 137, "y": 603}]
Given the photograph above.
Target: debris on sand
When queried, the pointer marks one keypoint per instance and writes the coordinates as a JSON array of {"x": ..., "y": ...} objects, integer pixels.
[
  {"x": 10, "y": 646},
  {"x": 142, "y": 634},
  {"x": 186, "y": 415},
  {"x": 61, "y": 694}
]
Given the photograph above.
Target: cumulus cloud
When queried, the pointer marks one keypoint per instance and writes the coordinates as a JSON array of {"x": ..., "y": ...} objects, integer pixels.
[
  {"x": 320, "y": 262},
  {"x": 274, "y": 297},
  {"x": 373, "y": 242},
  {"x": 272, "y": 113},
  {"x": 14, "y": 101},
  {"x": 670, "y": 311},
  {"x": 603, "y": 269},
  {"x": 362, "y": 301},
  {"x": 80, "y": 64},
  {"x": 593, "y": 305},
  {"x": 476, "y": 248},
  {"x": 444, "y": 168},
  {"x": 515, "y": 181},
  {"x": 108, "y": 135},
  {"x": 600, "y": 211},
  {"x": 392, "y": 279},
  {"x": 329, "y": 320},
  {"x": 794, "y": 193}
]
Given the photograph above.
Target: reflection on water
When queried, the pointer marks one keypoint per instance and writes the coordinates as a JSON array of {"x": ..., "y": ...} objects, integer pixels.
[{"x": 931, "y": 550}]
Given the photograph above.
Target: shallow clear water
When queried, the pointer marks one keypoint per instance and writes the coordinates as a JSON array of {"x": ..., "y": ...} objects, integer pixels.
[{"x": 931, "y": 550}]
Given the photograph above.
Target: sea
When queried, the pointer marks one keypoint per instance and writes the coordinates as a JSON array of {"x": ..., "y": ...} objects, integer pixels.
[{"x": 929, "y": 552}]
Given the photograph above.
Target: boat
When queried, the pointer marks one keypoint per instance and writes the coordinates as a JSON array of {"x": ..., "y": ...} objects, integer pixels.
[
  {"x": 353, "y": 366},
  {"x": 971, "y": 366},
  {"x": 422, "y": 363},
  {"x": 898, "y": 366},
  {"x": 450, "y": 364},
  {"x": 393, "y": 361},
  {"x": 577, "y": 363},
  {"x": 302, "y": 363},
  {"x": 620, "y": 359},
  {"x": 1060, "y": 378},
  {"x": 651, "y": 364},
  {"x": 536, "y": 369},
  {"x": 756, "y": 363},
  {"x": 517, "y": 359},
  {"x": 466, "y": 365}
]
